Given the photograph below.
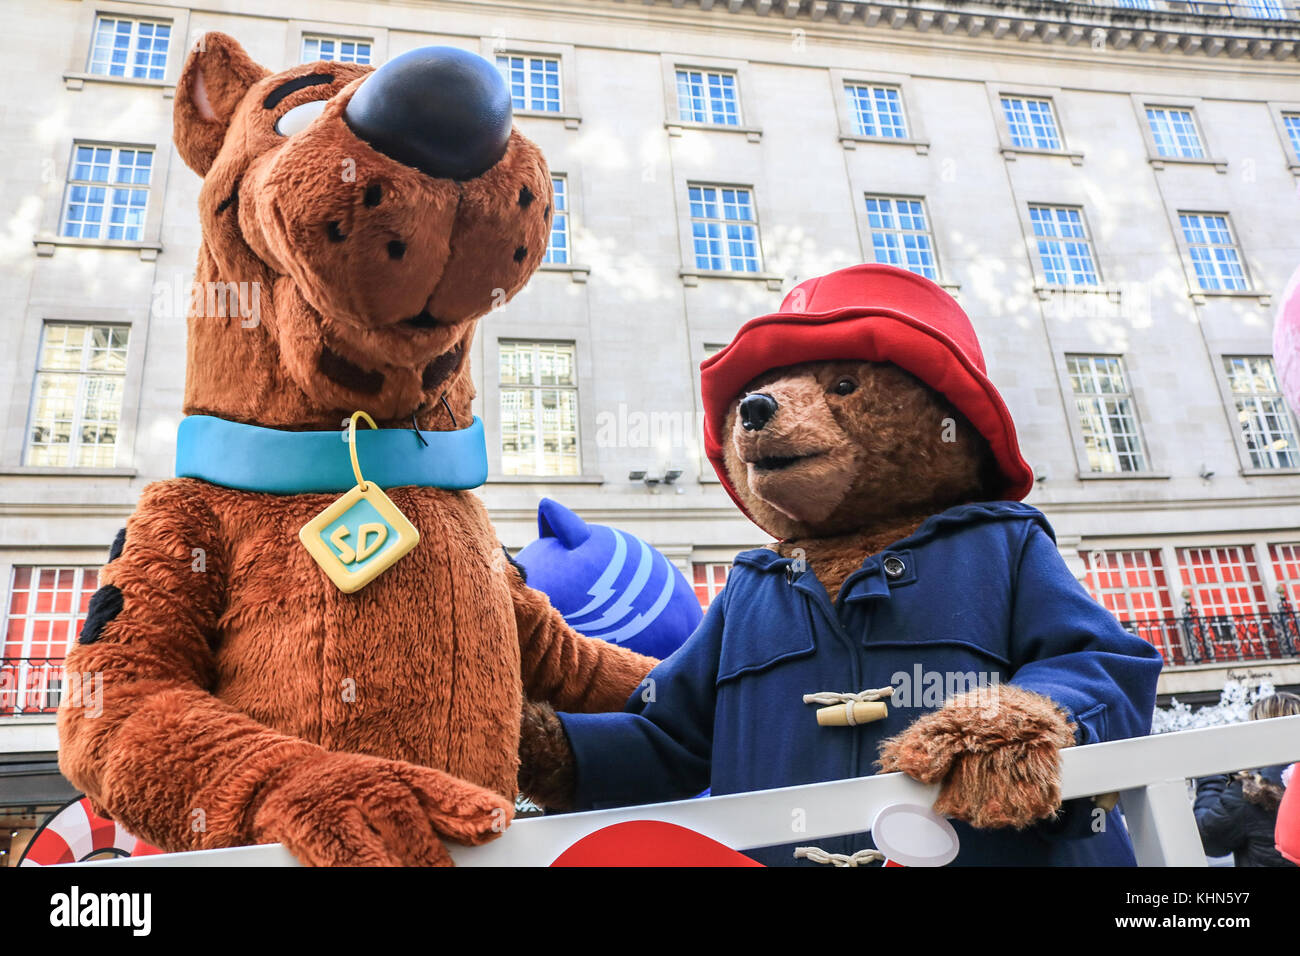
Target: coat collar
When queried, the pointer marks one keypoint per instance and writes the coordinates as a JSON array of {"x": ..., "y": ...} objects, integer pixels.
[
  {"x": 252, "y": 458},
  {"x": 874, "y": 578}
]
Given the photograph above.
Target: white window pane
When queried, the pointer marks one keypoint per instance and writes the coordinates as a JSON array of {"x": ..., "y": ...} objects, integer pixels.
[
  {"x": 75, "y": 414},
  {"x": 539, "y": 425}
]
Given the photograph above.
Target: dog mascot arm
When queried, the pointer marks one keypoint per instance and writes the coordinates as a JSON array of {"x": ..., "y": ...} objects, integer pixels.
[
  {"x": 565, "y": 669},
  {"x": 158, "y": 753},
  {"x": 996, "y": 755}
]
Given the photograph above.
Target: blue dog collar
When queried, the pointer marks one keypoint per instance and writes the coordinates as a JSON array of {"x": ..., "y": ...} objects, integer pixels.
[{"x": 252, "y": 458}]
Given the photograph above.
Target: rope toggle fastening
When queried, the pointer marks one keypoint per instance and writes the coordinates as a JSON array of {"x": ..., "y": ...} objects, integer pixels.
[
  {"x": 815, "y": 854},
  {"x": 849, "y": 710}
]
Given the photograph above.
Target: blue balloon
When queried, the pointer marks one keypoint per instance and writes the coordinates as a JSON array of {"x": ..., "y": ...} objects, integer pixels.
[{"x": 609, "y": 584}]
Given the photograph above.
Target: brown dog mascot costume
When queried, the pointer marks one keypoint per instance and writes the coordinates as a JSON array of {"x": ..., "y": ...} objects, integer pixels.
[
  {"x": 245, "y": 697},
  {"x": 857, "y": 426}
]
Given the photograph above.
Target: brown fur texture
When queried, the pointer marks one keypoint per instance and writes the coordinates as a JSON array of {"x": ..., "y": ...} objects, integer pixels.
[
  {"x": 995, "y": 752},
  {"x": 229, "y": 681},
  {"x": 342, "y": 324},
  {"x": 875, "y": 452},
  {"x": 548, "y": 774},
  {"x": 889, "y": 450},
  {"x": 873, "y": 463},
  {"x": 245, "y": 699}
]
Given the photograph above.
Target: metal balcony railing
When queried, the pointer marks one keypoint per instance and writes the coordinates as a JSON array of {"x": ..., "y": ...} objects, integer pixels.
[
  {"x": 30, "y": 685},
  {"x": 1194, "y": 638},
  {"x": 35, "y": 685}
]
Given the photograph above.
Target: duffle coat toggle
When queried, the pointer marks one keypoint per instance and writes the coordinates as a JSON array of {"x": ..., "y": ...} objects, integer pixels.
[{"x": 849, "y": 710}]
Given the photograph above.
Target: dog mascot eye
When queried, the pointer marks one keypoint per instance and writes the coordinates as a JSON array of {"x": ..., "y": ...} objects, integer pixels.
[
  {"x": 298, "y": 118},
  {"x": 845, "y": 386}
]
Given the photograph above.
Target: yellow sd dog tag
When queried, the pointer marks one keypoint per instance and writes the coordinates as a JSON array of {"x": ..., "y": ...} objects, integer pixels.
[{"x": 361, "y": 535}]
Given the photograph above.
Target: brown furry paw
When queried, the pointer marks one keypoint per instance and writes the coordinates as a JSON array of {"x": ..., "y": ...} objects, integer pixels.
[
  {"x": 994, "y": 752},
  {"x": 547, "y": 774},
  {"x": 348, "y": 809}
]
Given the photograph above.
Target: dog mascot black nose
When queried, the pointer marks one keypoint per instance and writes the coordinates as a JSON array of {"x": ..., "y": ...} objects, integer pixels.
[{"x": 440, "y": 109}]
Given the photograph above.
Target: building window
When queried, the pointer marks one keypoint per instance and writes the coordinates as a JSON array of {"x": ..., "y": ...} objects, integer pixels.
[
  {"x": 1267, "y": 428},
  {"x": 47, "y": 607},
  {"x": 539, "y": 409},
  {"x": 1107, "y": 417},
  {"x": 1031, "y": 123},
  {"x": 135, "y": 49},
  {"x": 710, "y": 579},
  {"x": 900, "y": 234},
  {"x": 335, "y": 50},
  {"x": 876, "y": 110},
  {"x": 724, "y": 230},
  {"x": 1291, "y": 123},
  {"x": 557, "y": 250},
  {"x": 1133, "y": 586},
  {"x": 108, "y": 193},
  {"x": 707, "y": 96},
  {"x": 1286, "y": 570},
  {"x": 1214, "y": 252},
  {"x": 1265, "y": 9},
  {"x": 77, "y": 396},
  {"x": 1223, "y": 580},
  {"x": 1064, "y": 248},
  {"x": 1135, "y": 4},
  {"x": 534, "y": 81},
  {"x": 1174, "y": 133}
]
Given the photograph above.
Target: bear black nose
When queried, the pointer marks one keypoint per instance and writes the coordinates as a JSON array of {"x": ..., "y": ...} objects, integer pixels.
[
  {"x": 442, "y": 110},
  {"x": 756, "y": 411}
]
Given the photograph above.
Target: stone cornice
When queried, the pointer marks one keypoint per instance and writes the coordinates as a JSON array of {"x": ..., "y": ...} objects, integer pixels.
[{"x": 1172, "y": 28}]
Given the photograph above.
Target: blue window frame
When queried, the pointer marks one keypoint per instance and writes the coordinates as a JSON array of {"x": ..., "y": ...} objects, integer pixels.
[
  {"x": 707, "y": 96},
  {"x": 1264, "y": 9},
  {"x": 900, "y": 234},
  {"x": 557, "y": 250},
  {"x": 129, "y": 48},
  {"x": 1291, "y": 123},
  {"x": 876, "y": 110},
  {"x": 1031, "y": 122},
  {"x": 1174, "y": 132},
  {"x": 335, "y": 50},
  {"x": 108, "y": 193},
  {"x": 724, "y": 230},
  {"x": 534, "y": 81},
  {"x": 1063, "y": 245},
  {"x": 1213, "y": 250}
]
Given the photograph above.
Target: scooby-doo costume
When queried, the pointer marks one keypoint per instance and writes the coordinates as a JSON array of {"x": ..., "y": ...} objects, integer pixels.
[
  {"x": 246, "y": 698},
  {"x": 858, "y": 426}
]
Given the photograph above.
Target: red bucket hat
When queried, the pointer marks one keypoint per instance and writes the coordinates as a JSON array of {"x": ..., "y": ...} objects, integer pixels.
[{"x": 872, "y": 313}]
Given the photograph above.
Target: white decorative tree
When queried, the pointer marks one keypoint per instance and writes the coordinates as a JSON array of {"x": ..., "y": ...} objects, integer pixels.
[{"x": 1233, "y": 708}]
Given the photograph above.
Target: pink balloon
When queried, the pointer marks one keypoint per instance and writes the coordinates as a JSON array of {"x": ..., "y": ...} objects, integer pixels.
[{"x": 1286, "y": 342}]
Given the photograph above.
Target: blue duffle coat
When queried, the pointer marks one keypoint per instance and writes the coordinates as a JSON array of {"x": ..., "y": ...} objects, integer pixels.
[{"x": 977, "y": 595}]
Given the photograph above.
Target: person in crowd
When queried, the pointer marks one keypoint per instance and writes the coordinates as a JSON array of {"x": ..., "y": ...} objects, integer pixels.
[{"x": 1236, "y": 813}]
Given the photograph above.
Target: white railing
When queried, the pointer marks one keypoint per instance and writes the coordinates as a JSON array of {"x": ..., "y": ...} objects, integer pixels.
[{"x": 1150, "y": 774}]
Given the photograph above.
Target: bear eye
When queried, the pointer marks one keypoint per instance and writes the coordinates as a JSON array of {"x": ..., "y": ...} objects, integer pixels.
[
  {"x": 845, "y": 386},
  {"x": 299, "y": 118}
]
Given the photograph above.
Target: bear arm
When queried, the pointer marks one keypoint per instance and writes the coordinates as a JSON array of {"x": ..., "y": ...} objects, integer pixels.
[
  {"x": 141, "y": 734},
  {"x": 565, "y": 669}
]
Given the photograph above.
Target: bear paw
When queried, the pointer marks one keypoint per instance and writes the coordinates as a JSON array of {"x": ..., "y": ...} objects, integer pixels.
[{"x": 995, "y": 754}]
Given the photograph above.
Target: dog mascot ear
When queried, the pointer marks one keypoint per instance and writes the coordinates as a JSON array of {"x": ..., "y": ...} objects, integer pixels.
[{"x": 216, "y": 76}]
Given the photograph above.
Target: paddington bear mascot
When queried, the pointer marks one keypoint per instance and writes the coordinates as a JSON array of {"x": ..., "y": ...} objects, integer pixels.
[
  {"x": 858, "y": 427},
  {"x": 300, "y": 638}
]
